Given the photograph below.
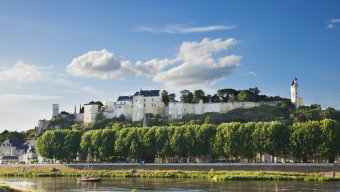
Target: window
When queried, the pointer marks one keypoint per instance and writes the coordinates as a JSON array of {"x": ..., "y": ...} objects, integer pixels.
[
  {"x": 152, "y": 99},
  {"x": 144, "y": 105}
]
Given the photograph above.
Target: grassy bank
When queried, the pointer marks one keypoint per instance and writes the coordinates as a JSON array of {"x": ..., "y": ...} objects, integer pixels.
[
  {"x": 213, "y": 175},
  {"x": 6, "y": 188}
]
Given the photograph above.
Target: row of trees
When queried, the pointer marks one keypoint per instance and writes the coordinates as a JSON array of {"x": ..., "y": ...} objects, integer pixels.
[
  {"x": 230, "y": 141},
  {"x": 222, "y": 95},
  {"x": 20, "y": 136}
]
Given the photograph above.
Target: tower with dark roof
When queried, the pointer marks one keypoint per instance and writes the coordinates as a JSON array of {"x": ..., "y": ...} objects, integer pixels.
[{"x": 294, "y": 96}]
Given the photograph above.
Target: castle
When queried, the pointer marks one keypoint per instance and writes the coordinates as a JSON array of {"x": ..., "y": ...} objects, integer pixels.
[{"x": 135, "y": 107}]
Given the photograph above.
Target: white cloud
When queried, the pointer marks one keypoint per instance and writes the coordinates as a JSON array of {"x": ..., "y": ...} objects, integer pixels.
[
  {"x": 252, "y": 73},
  {"x": 195, "y": 65},
  {"x": 185, "y": 29},
  {"x": 23, "y": 73},
  {"x": 332, "y": 23},
  {"x": 100, "y": 64},
  {"x": 25, "y": 97}
]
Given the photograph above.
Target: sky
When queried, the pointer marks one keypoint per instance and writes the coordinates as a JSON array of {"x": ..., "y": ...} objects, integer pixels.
[{"x": 73, "y": 52}]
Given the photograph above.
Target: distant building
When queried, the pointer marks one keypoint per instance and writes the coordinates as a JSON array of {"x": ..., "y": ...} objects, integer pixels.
[
  {"x": 12, "y": 147},
  {"x": 9, "y": 159},
  {"x": 131, "y": 107},
  {"x": 135, "y": 107},
  {"x": 294, "y": 94},
  {"x": 30, "y": 155}
]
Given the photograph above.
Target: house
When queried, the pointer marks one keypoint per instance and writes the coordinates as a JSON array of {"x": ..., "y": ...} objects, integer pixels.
[
  {"x": 10, "y": 159},
  {"x": 12, "y": 147}
]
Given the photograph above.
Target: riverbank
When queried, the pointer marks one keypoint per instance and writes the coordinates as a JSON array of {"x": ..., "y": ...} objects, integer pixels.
[
  {"x": 218, "y": 172},
  {"x": 6, "y": 188}
]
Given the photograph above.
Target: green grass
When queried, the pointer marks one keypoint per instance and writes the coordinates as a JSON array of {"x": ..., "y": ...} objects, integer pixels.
[{"x": 213, "y": 175}]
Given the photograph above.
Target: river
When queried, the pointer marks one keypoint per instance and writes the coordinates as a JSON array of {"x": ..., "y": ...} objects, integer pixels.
[{"x": 143, "y": 184}]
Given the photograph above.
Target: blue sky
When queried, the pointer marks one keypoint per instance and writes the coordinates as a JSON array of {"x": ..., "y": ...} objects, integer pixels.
[{"x": 72, "y": 52}]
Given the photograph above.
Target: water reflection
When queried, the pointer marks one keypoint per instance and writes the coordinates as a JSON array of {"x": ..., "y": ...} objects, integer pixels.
[{"x": 127, "y": 184}]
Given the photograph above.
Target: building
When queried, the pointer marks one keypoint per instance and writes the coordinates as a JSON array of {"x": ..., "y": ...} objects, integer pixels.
[
  {"x": 135, "y": 107},
  {"x": 9, "y": 160},
  {"x": 294, "y": 94},
  {"x": 30, "y": 155},
  {"x": 147, "y": 101},
  {"x": 131, "y": 107},
  {"x": 12, "y": 147}
]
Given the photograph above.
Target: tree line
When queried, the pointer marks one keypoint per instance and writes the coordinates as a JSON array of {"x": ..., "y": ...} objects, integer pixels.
[
  {"x": 233, "y": 141},
  {"x": 222, "y": 95}
]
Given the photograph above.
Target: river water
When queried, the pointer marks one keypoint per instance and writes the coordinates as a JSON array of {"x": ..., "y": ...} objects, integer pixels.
[{"x": 142, "y": 184}]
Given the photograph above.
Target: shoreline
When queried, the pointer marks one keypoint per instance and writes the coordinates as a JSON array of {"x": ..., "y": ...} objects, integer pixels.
[
  {"x": 8, "y": 188},
  {"x": 215, "y": 172}
]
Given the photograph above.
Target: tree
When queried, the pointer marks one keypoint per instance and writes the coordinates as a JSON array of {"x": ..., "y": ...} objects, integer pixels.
[
  {"x": 106, "y": 147},
  {"x": 276, "y": 138},
  {"x": 215, "y": 98},
  {"x": 232, "y": 142},
  {"x": 254, "y": 90},
  {"x": 44, "y": 145},
  {"x": 165, "y": 97},
  {"x": 305, "y": 139},
  {"x": 226, "y": 94},
  {"x": 198, "y": 95},
  {"x": 86, "y": 147},
  {"x": 187, "y": 96},
  {"x": 172, "y": 97},
  {"x": 71, "y": 146},
  {"x": 259, "y": 138},
  {"x": 178, "y": 142},
  {"x": 330, "y": 142},
  {"x": 245, "y": 133},
  {"x": 245, "y": 96}
]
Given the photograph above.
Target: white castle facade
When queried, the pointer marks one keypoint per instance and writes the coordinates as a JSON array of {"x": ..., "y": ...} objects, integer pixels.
[{"x": 143, "y": 102}]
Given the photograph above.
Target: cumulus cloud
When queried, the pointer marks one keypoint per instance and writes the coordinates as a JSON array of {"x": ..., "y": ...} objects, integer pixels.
[
  {"x": 23, "y": 73},
  {"x": 195, "y": 65},
  {"x": 332, "y": 23},
  {"x": 185, "y": 29}
]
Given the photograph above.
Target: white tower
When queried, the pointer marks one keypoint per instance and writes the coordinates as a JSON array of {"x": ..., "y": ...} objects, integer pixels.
[
  {"x": 55, "y": 110},
  {"x": 294, "y": 97}
]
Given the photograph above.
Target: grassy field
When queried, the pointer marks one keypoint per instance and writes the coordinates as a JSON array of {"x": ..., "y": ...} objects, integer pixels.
[{"x": 213, "y": 175}]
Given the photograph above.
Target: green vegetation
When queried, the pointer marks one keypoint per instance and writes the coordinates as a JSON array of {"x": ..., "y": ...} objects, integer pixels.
[
  {"x": 20, "y": 136},
  {"x": 225, "y": 95},
  {"x": 213, "y": 175},
  {"x": 231, "y": 141}
]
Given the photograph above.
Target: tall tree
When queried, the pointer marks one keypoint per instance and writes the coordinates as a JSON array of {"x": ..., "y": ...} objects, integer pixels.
[
  {"x": 165, "y": 97},
  {"x": 187, "y": 96},
  {"x": 198, "y": 95},
  {"x": 305, "y": 140},
  {"x": 330, "y": 142},
  {"x": 227, "y": 94}
]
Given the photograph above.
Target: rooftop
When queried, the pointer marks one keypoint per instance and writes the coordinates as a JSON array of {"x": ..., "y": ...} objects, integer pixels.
[
  {"x": 124, "y": 98},
  {"x": 147, "y": 93}
]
